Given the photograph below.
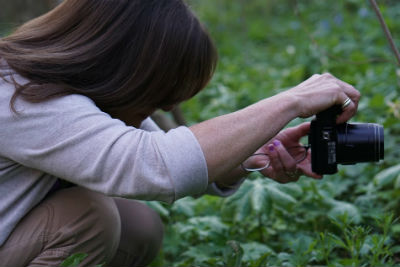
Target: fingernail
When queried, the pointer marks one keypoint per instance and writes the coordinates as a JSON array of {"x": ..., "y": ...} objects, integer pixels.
[
  {"x": 271, "y": 148},
  {"x": 276, "y": 143}
]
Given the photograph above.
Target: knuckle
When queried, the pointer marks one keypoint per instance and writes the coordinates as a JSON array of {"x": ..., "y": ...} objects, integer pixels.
[
  {"x": 333, "y": 86},
  {"x": 327, "y": 75}
]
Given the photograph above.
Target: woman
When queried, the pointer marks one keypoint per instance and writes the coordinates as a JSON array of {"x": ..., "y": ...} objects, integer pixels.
[{"x": 78, "y": 85}]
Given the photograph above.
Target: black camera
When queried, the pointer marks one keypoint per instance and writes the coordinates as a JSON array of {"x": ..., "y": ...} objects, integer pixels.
[{"x": 347, "y": 143}]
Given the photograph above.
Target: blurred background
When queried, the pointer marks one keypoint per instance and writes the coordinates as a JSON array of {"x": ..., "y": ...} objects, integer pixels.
[
  {"x": 265, "y": 47},
  {"x": 15, "y": 12}
]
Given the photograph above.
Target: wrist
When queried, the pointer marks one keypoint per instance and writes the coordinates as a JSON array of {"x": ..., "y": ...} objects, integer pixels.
[{"x": 289, "y": 104}]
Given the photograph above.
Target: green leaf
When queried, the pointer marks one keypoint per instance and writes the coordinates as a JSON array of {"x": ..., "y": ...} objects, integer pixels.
[
  {"x": 260, "y": 200},
  {"x": 279, "y": 197},
  {"x": 74, "y": 260},
  {"x": 243, "y": 209},
  {"x": 199, "y": 254},
  {"x": 397, "y": 182},
  {"x": 184, "y": 206},
  {"x": 349, "y": 262},
  {"x": 254, "y": 250},
  {"x": 341, "y": 208},
  {"x": 238, "y": 206},
  {"x": 263, "y": 260},
  {"x": 387, "y": 176},
  {"x": 338, "y": 241},
  {"x": 157, "y": 206},
  {"x": 233, "y": 254},
  {"x": 293, "y": 189},
  {"x": 396, "y": 228},
  {"x": 377, "y": 101}
]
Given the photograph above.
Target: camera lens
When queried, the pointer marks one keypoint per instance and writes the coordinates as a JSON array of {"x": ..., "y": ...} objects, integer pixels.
[{"x": 359, "y": 142}]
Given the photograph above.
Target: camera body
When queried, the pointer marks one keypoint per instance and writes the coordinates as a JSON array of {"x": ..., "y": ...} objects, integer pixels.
[{"x": 347, "y": 143}]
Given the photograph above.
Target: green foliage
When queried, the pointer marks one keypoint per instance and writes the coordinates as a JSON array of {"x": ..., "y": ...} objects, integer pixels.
[
  {"x": 346, "y": 219},
  {"x": 74, "y": 260}
]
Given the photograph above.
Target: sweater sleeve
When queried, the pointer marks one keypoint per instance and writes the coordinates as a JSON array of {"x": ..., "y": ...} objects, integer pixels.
[
  {"x": 70, "y": 138},
  {"x": 212, "y": 189}
]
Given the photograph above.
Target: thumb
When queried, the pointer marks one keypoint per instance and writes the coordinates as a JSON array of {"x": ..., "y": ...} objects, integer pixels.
[{"x": 299, "y": 131}]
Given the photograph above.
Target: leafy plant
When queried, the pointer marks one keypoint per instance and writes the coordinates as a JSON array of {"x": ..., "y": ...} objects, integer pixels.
[
  {"x": 346, "y": 219},
  {"x": 74, "y": 260}
]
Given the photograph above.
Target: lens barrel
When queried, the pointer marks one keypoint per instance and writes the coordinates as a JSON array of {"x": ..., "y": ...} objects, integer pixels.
[{"x": 359, "y": 142}]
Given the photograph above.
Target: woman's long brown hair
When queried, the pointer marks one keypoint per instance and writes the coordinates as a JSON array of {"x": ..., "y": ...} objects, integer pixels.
[{"x": 116, "y": 52}]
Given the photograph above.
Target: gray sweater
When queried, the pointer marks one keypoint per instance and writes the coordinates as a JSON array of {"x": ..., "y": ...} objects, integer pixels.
[{"x": 70, "y": 138}]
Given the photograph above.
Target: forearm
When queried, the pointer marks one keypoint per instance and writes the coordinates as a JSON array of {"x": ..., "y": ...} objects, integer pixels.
[
  {"x": 228, "y": 140},
  {"x": 231, "y": 178}
]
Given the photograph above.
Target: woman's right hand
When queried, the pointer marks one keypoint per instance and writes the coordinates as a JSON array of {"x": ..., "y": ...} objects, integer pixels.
[
  {"x": 228, "y": 140},
  {"x": 322, "y": 91}
]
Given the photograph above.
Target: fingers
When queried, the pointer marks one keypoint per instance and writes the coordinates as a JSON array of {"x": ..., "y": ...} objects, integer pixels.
[
  {"x": 348, "y": 111},
  {"x": 297, "y": 132},
  {"x": 305, "y": 167},
  {"x": 283, "y": 167},
  {"x": 320, "y": 92},
  {"x": 306, "y": 170},
  {"x": 345, "y": 91},
  {"x": 349, "y": 90}
]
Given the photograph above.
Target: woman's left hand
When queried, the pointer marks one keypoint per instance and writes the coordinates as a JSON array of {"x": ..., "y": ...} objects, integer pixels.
[{"x": 283, "y": 167}]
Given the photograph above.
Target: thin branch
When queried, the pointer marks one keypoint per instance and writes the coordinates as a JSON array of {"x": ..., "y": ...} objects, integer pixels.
[
  {"x": 386, "y": 30},
  {"x": 178, "y": 116},
  {"x": 163, "y": 121}
]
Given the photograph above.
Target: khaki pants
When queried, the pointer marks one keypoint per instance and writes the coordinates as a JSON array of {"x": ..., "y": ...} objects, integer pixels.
[{"x": 112, "y": 231}]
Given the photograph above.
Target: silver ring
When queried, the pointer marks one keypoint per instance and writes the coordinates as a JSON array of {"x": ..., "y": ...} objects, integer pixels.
[{"x": 346, "y": 103}]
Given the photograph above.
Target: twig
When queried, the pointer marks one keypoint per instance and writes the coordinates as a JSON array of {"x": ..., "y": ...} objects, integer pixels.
[
  {"x": 178, "y": 116},
  {"x": 163, "y": 121},
  {"x": 386, "y": 30}
]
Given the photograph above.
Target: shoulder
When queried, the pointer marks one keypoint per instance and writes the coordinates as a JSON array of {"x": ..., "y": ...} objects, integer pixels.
[
  {"x": 68, "y": 102},
  {"x": 66, "y": 109}
]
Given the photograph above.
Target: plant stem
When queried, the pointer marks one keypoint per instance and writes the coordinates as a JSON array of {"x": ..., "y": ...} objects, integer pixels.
[
  {"x": 386, "y": 30},
  {"x": 261, "y": 229}
]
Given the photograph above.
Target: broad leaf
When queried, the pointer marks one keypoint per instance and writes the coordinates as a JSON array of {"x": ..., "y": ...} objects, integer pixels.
[{"x": 387, "y": 176}]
